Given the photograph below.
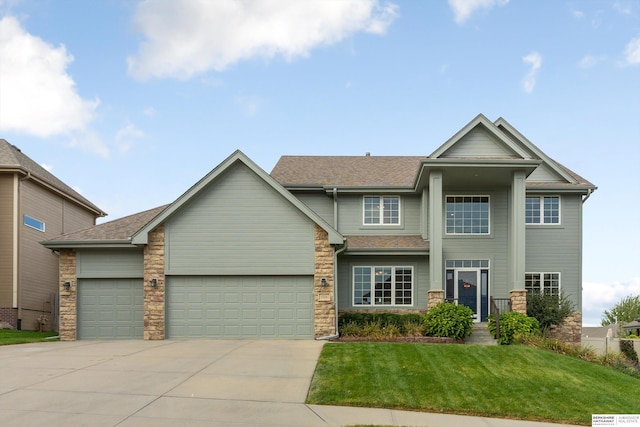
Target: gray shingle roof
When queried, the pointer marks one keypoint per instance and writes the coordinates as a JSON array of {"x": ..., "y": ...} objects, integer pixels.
[
  {"x": 347, "y": 171},
  {"x": 12, "y": 159},
  {"x": 374, "y": 243},
  {"x": 117, "y": 230}
]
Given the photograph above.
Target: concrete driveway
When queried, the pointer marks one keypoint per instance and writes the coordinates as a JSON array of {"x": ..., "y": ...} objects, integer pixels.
[{"x": 181, "y": 383}]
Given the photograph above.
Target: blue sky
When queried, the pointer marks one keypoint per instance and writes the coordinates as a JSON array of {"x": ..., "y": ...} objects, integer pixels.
[{"x": 132, "y": 102}]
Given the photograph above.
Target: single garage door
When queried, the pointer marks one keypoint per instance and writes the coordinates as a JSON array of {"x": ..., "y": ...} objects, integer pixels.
[
  {"x": 240, "y": 307},
  {"x": 110, "y": 309}
]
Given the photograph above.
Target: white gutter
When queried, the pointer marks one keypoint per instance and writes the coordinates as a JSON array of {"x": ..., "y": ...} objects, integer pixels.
[{"x": 589, "y": 193}]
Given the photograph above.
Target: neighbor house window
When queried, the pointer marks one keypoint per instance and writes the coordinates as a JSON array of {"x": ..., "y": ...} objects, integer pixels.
[
  {"x": 542, "y": 210},
  {"x": 467, "y": 215},
  {"x": 546, "y": 283},
  {"x": 382, "y": 285},
  {"x": 33, "y": 223},
  {"x": 381, "y": 210}
]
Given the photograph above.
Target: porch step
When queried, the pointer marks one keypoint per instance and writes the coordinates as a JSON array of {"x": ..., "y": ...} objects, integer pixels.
[{"x": 481, "y": 335}]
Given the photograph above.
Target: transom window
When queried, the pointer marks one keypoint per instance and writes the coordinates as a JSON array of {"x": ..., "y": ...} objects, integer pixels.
[
  {"x": 547, "y": 283},
  {"x": 33, "y": 223},
  {"x": 467, "y": 215},
  {"x": 542, "y": 210},
  {"x": 382, "y": 285},
  {"x": 381, "y": 210}
]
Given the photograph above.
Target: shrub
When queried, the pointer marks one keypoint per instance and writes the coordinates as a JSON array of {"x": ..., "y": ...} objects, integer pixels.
[
  {"x": 549, "y": 310},
  {"x": 363, "y": 324},
  {"x": 626, "y": 347},
  {"x": 449, "y": 320},
  {"x": 513, "y": 325}
]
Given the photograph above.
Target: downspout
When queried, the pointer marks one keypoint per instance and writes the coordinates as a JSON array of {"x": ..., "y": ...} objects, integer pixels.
[
  {"x": 589, "y": 193},
  {"x": 335, "y": 208},
  {"x": 18, "y": 248}
]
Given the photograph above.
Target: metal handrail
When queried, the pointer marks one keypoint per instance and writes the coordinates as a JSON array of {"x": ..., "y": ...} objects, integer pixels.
[{"x": 499, "y": 305}]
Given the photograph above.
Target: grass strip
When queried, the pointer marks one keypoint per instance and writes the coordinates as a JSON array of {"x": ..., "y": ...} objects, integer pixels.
[{"x": 10, "y": 336}]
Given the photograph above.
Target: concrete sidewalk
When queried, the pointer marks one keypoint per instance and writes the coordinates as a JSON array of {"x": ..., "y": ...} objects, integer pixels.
[{"x": 176, "y": 383}]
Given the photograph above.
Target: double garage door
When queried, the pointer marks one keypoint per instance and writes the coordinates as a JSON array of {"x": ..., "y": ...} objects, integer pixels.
[
  {"x": 239, "y": 307},
  {"x": 201, "y": 307}
]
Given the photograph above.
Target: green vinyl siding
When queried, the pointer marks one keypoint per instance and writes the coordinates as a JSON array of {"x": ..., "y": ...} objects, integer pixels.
[
  {"x": 479, "y": 143},
  {"x": 320, "y": 203},
  {"x": 240, "y": 225},
  {"x": 350, "y": 216},
  {"x": 557, "y": 248},
  {"x": 420, "y": 279},
  {"x": 110, "y": 263},
  {"x": 493, "y": 247}
]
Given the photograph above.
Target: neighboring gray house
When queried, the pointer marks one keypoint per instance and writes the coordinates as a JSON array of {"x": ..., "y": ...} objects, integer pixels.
[
  {"x": 34, "y": 206},
  {"x": 247, "y": 254}
]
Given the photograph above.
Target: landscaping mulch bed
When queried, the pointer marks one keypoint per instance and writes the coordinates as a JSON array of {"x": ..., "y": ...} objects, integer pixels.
[{"x": 428, "y": 340}]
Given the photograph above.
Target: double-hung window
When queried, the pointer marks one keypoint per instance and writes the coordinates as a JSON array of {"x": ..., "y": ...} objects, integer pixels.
[
  {"x": 382, "y": 285},
  {"x": 381, "y": 210},
  {"x": 546, "y": 283},
  {"x": 467, "y": 214},
  {"x": 542, "y": 210}
]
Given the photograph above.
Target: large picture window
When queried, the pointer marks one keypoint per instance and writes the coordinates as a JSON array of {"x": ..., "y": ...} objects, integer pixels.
[
  {"x": 546, "y": 283},
  {"x": 542, "y": 210},
  {"x": 467, "y": 215},
  {"x": 382, "y": 285},
  {"x": 381, "y": 210}
]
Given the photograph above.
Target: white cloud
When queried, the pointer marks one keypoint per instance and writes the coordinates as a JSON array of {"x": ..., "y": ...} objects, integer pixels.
[
  {"x": 534, "y": 59},
  {"x": 191, "y": 36},
  {"x": 46, "y": 167},
  {"x": 578, "y": 14},
  {"x": 249, "y": 105},
  {"x": 34, "y": 70},
  {"x": 463, "y": 9},
  {"x": 623, "y": 8},
  {"x": 90, "y": 141},
  {"x": 127, "y": 136},
  {"x": 149, "y": 111},
  {"x": 598, "y": 297},
  {"x": 590, "y": 61},
  {"x": 632, "y": 51}
]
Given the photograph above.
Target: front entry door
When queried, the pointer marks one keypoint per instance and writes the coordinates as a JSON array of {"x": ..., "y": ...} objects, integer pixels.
[{"x": 466, "y": 290}]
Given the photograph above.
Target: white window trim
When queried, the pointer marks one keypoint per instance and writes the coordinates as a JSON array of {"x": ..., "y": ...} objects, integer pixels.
[
  {"x": 488, "y": 233},
  {"x": 541, "y": 206},
  {"x": 24, "y": 221},
  {"x": 393, "y": 286},
  {"x": 541, "y": 278},
  {"x": 381, "y": 223}
]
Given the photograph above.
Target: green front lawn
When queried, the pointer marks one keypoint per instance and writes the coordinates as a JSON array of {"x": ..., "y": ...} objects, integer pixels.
[
  {"x": 9, "y": 336},
  {"x": 496, "y": 381}
]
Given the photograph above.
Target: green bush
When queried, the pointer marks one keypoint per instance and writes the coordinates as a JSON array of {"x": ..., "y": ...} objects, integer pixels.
[
  {"x": 380, "y": 325},
  {"x": 449, "y": 320},
  {"x": 549, "y": 310},
  {"x": 513, "y": 325},
  {"x": 626, "y": 347}
]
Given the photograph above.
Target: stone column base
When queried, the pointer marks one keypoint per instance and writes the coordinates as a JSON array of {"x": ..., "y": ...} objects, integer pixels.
[{"x": 434, "y": 297}]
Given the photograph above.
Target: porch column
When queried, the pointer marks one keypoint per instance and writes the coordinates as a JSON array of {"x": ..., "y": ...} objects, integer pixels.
[
  {"x": 436, "y": 226},
  {"x": 518, "y": 230}
]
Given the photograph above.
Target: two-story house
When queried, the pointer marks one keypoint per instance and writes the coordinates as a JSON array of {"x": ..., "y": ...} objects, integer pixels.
[
  {"x": 34, "y": 206},
  {"x": 244, "y": 253}
]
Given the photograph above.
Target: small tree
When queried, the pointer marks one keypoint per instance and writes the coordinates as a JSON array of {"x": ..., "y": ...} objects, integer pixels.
[
  {"x": 625, "y": 311},
  {"x": 548, "y": 310}
]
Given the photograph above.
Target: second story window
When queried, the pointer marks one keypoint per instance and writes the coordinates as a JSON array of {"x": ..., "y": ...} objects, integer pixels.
[
  {"x": 542, "y": 210},
  {"x": 33, "y": 223},
  {"x": 381, "y": 210},
  {"x": 467, "y": 215}
]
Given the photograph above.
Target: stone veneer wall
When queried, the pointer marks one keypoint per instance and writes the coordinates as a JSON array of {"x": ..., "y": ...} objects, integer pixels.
[
  {"x": 570, "y": 331},
  {"x": 68, "y": 298},
  {"x": 9, "y": 315},
  {"x": 434, "y": 297},
  {"x": 154, "y": 322},
  {"x": 324, "y": 304},
  {"x": 519, "y": 301}
]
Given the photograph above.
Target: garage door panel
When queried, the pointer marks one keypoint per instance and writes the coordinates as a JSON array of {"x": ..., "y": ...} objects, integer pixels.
[
  {"x": 110, "y": 309},
  {"x": 240, "y": 307}
]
